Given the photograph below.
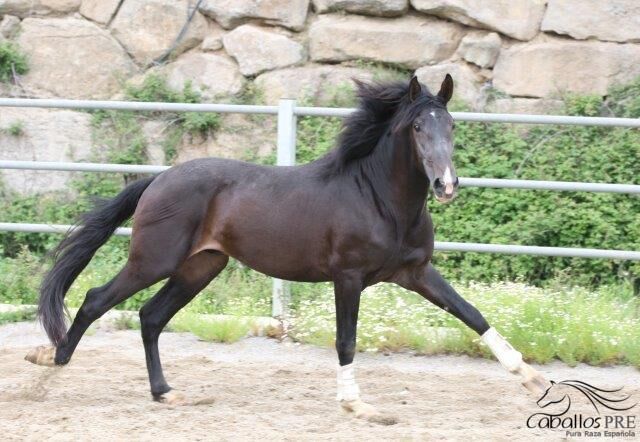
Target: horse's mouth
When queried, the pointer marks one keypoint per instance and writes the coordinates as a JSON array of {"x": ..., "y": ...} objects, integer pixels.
[{"x": 444, "y": 199}]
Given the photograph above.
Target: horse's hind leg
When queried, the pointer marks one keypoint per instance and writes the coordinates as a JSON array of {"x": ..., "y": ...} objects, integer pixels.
[
  {"x": 182, "y": 287},
  {"x": 99, "y": 300}
]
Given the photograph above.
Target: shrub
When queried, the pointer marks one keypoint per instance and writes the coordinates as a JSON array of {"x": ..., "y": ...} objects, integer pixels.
[
  {"x": 624, "y": 100},
  {"x": 17, "y": 284},
  {"x": 12, "y": 61},
  {"x": 543, "y": 218}
]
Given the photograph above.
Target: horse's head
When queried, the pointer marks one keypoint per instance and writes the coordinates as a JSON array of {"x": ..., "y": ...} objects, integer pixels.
[
  {"x": 431, "y": 132},
  {"x": 552, "y": 395}
]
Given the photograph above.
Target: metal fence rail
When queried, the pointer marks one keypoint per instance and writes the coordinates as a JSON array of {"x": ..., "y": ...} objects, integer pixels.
[
  {"x": 45, "y": 103},
  {"x": 445, "y": 246},
  {"x": 497, "y": 183},
  {"x": 302, "y": 111},
  {"x": 286, "y": 112}
]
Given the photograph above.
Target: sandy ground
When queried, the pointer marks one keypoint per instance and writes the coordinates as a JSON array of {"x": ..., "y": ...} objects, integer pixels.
[{"x": 263, "y": 389}]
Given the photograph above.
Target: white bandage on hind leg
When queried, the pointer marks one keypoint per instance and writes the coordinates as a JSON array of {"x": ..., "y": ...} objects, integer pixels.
[
  {"x": 510, "y": 358},
  {"x": 348, "y": 389}
]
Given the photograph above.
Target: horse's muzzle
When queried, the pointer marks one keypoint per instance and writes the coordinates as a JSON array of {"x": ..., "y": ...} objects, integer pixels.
[{"x": 445, "y": 193}]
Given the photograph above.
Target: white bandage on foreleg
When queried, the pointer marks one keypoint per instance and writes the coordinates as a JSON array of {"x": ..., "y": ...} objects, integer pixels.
[
  {"x": 348, "y": 389},
  {"x": 510, "y": 358}
]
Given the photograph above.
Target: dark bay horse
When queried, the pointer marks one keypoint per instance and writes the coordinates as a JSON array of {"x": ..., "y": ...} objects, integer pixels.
[{"x": 355, "y": 217}]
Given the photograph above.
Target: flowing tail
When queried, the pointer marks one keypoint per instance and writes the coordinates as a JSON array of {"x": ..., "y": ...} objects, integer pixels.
[{"x": 75, "y": 251}]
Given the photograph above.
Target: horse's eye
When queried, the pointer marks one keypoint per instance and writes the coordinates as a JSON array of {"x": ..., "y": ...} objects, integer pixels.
[{"x": 416, "y": 127}]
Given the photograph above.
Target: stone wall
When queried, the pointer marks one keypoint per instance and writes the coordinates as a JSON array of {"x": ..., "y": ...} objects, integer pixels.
[{"x": 527, "y": 52}]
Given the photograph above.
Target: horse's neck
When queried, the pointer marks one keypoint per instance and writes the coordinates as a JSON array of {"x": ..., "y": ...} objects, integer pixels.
[
  {"x": 404, "y": 185},
  {"x": 408, "y": 181}
]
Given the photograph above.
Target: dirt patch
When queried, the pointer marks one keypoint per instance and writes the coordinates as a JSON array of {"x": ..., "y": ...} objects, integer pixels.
[{"x": 262, "y": 389}]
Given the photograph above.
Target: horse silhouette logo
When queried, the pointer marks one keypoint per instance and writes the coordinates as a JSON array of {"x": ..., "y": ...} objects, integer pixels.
[
  {"x": 558, "y": 399},
  {"x": 598, "y": 397}
]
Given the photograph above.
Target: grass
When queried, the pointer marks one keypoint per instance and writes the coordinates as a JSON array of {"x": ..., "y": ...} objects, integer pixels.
[
  {"x": 127, "y": 322},
  {"x": 226, "y": 330},
  {"x": 15, "y": 129},
  {"x": 18, "y": 316},
  {"x": 597, "y": 326},
  {"x": 570, "y": 324}
]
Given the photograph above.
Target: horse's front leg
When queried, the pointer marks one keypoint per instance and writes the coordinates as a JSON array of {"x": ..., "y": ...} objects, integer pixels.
[
  {"x": 347, "y": 296},
  {"x": 431, "y": 285}
]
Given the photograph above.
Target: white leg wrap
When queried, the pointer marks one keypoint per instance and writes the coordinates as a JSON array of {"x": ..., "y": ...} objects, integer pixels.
[
  {"x": 510, "y": 358},
  {"x": 348, "y": 389}
]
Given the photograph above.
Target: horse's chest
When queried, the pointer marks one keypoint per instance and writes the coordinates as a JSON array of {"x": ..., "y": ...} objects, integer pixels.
[
  {"x": 410, "y": 255},
  {"x": 384, "y": 248},
  {"x": 398, "y": 256}
]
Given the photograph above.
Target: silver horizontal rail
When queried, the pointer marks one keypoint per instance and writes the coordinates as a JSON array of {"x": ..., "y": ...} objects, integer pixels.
[
  {"x": 494, "y": 118},
  {"x": 509, "y": 249},
  {"x": 81, "y": 167},
  {"x": 546, "y": 119},
  {"x": 53, "y": 103},
  {"x": 572, "y": 186},
  {"x": 568, "y": 252},
  {"x": 50, "y": 228},
  {"x": 305, "y": 111},
  {"x": 465, "y": 182}
]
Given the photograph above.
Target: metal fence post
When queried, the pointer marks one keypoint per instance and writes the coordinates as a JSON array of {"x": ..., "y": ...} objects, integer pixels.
[{"x": 286, "y": 156}]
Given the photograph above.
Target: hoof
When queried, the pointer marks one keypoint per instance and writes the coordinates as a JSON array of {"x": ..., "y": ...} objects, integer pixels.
[
  {"x": 42, "y": 356},
  {"x": 177, "y": 398},
  {"x": 172, "y": 397},
  {"x": 362, "y": 410},
  {"x": 533, "y": 381}
]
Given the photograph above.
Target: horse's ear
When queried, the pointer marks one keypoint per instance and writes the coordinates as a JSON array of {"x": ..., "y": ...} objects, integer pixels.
[
  {"x": 414, "y": 89},
  {"x": 361, "y": 87},
  {"x": 446, "y": 89}
]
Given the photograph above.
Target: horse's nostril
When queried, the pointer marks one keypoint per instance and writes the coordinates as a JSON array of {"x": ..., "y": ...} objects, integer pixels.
[
  {"x": 457, "y": 183},
  {"x": 437, "y": 184}
]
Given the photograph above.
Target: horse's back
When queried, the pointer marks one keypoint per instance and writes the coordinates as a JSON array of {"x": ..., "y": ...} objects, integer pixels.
[{"x": 240, "y": 209}]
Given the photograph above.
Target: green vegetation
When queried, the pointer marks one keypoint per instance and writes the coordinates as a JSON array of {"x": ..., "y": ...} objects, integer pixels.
[
  {"x": 573, "y": 325},
  {"x": 18, "y": 316},
  {"x": 15, "y": 129},
  {"x": 596, "y": 326},
  {"x": 127, "y": 322},
  {"x": 384, "y": 72},
  {"x": 226, "y": 330},
  {"x": 561, "y": 219},
  {"x": 121, "y": 131},
  {"x": 12, "y": 62}
]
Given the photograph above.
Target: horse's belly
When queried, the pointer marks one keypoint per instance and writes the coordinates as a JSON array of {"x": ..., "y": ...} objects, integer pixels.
[
  {"x": 299, "y": 273},
  {"x": 280, "y": 252}
]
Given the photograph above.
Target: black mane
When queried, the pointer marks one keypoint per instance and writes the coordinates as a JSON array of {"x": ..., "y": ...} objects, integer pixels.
[{"x": 381, "y": 106}]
